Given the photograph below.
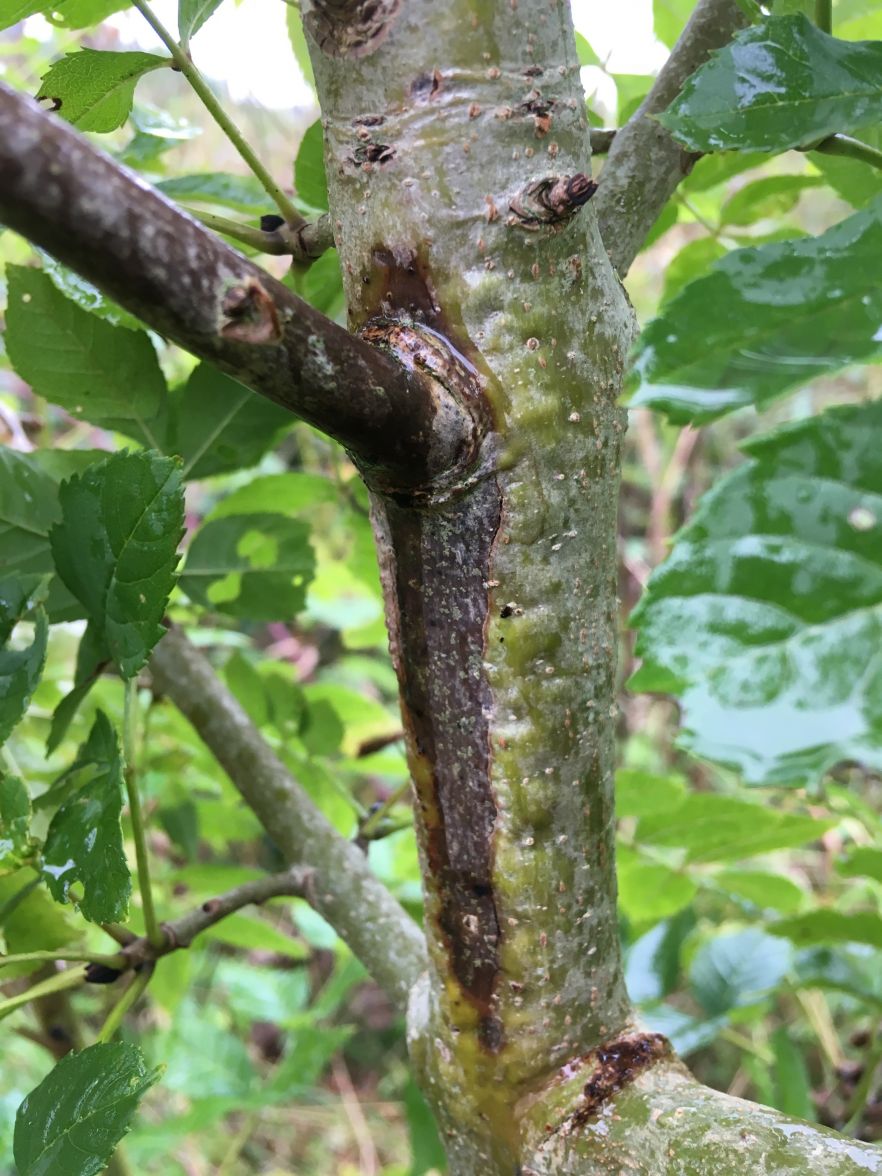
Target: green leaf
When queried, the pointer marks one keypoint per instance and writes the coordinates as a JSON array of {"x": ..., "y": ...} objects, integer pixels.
[
  {"x": 669, "y": 18},
  {"x": 767, "y": 617},
  {"x": 650, "y": 891},
  {"x": 692, "y": 262},
  {"x": 771, "y": 196},
  {"x": 584, "y": 52},
  {"x": 310, "y": 181},
  {"x": 639, "y": 793},
  {"x": 32, "y": 921},
  {"x": 70, "y": 1124},
  {"x": 792, "y": 1090},
  {"x": 84, "y": 294},
  {"x": 731, "y": 971},
  {"x": 255, "y": 934},
  {"x": 712, "y": 170},
  {"x": 116, "y": 549},
  {"x": 863, "y": 862},
  {"x": 713, "y": 828},
  {"x": 768, "y": 319},
  {"x": 20, "y": 669},
  {"x": 781, "y": 83},
  {"x": 15, "y": 819},
  {"x": 94, "y": 88},
  {"x": 426, "y": 1149},
  {"x": 192, "y": 15},
  {"x": 298, "y": 44},
  {"x": 156, "y": 132},
  {"x": 95, "y": 371},
  {"x": 81, "y": 14},
  {"x": 830, "y": 926},
  {"x": 12, "y": 11},
  {"x": 218, "y": 425},
  {"x": 763, "y": 891},
  {"x": 84, "y": 843},
  {"x": 250, "y": 565},
  {"x": 92, "y": 657},
  {"x": 241, "y": 193}
]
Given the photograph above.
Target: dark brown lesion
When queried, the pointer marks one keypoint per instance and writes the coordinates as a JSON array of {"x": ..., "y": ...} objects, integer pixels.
[
  {"x": 615, "y": 1066},
  {"x": 553, "y": 200},
  {"x": 350, "y": 28}
]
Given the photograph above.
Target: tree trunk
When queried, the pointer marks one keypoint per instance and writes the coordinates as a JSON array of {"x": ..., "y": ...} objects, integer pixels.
[{"x": 457, "y": 165}]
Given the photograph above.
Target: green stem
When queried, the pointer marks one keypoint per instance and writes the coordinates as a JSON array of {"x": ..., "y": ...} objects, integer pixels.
[
  {"x": 130, "y": 718},
  {"x": 214, "y": 108},
  {"x": 17, "y": 899},
  {"x": 70, "y": 978},
  {"x": 850, "y": 148},
  {"x": 372, "y": 822},
  {"x": 824, "y": 15},
  {"x": 89, "y": 957},
  {"x": 125, "y": 1002},
  {"x": 256, "y": 238},
  {"x": 228, "y": 1162},
  {"x": 864, "y": 1088}
]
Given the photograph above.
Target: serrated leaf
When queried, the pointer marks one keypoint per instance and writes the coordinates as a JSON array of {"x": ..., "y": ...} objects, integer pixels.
[
  {"x": 28, "y": 508},
  {"x": 94, "y": 370},
  {"x": 218, "y": 425},
  {"x": 734, "y": 970},
  {"x": 84, "y": 843},
  {"x": 712, "y": 828},
  {"x": 70, "y": 1123},
  {"x": 116, "y": 549},
  {"x": 778, "y": 84},
  {"x": 15, "y": 819},
  {"x": 309, "y": 168},
  {"x": 768, "y": 319},
  {"x": 192, "y": 15},
  {"x": 84, "y": 294},
  {"x": 251, "y": 565},
  {"x": 20, "y": 669},
  {"x": 767, "y": 617},
  {"x": 94, "y": 88},
  {"x": 830, "y": 926}
]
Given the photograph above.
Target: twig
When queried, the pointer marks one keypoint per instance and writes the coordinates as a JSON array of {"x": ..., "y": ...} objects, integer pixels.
[
  {"x": 69, "y": 978},
  {"x": 139, "y": 833},
  {"x": 126, "y": 1001},
  {"x": 367, "y": 1153},
  {"x": 306, "y": 243},
  {"x": 344, "y": 890},
  {"x": 217, "y": 112},
  {"x": 645, "y": 164},
  {"x": 86, "y": 957},
  {"x": 850, "y": 148}
]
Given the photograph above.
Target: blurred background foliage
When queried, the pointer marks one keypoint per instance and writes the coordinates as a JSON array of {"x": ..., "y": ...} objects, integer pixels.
[{"x": 750, "y": 917}]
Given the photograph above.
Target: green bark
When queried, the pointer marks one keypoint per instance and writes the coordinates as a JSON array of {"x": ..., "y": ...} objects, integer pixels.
[{"x": 456, "y": 150}]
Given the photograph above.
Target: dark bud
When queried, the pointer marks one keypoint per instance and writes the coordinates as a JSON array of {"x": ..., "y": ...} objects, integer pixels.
[
  {"x": 271, "y": 222},
  {"x": 101, "y": 974}
]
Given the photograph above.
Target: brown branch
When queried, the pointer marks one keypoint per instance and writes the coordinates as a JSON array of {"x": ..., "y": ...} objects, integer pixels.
[
  {"x": 342, "y": 888},
  {"x": 135, "y": 245},
  {"x": 181, "y": 932},
  {"x": 645, "y": 165}
]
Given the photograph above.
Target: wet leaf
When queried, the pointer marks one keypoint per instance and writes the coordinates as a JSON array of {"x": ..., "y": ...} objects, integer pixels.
[
  {"x": 116, "y": 549},
  {"x": 15, "y": 819},
  {"x": 84, "y": 843},
  {"x": 766, "y": 619},
  {"x": 768, "y": 319},
  {"x": 781, "y": 83},
  {"x": 70, "y": 1123},
  {"x": 20, "y": 669}
]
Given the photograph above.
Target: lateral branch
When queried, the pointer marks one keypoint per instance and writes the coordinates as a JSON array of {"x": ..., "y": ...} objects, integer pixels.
[{"x": 115, "y": 230}]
